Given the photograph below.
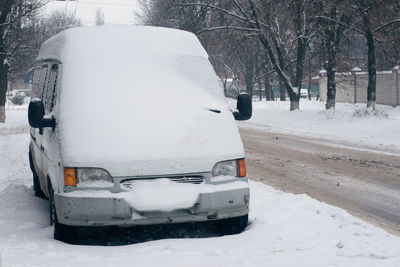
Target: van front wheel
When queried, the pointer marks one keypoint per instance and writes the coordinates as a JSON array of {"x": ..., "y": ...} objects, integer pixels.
[
  {"x": 232, "y": 226},
  {"x": 36, "y": 187}
]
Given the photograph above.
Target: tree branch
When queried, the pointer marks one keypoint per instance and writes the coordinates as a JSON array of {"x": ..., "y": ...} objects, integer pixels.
[
  {"x": 386, "y": 25},
  {"x": 226, "y": 27}
]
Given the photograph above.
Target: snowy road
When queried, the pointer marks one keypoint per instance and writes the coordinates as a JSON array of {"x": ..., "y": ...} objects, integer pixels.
[
  {"x": 285, "y": 229},
  {"x": 360, "y": 180}
]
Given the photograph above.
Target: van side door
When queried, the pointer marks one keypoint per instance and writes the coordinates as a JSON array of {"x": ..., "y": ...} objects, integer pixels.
[
  {"x": 50, "y": 152},
  {"x": 39, "y": 81}
]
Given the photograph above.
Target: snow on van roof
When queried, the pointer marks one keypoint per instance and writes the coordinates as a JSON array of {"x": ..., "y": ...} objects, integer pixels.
[
  {"x": 122, "y": 39},
  {"x": 137, "y": 96}
]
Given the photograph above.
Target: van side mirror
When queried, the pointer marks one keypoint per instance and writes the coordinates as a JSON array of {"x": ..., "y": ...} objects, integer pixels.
[
  {"x": 36, "y": 116},
  {"x": 244, "y": 107}
]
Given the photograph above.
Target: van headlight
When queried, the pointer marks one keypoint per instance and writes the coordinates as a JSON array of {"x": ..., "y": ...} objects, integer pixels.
[
  {"x": 236, "y": 168},
  {"x": 92, "y": 174},
  {"x": 87, "y": 177}
]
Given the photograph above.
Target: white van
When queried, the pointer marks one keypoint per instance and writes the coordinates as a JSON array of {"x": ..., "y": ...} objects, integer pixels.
[{"x": 130, "y": 126}]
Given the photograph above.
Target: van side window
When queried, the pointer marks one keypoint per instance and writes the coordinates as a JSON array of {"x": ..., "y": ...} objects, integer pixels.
[
  {"x": 42, "y": 81},
  {"x": 51, "y": 88},
  {"x": 35, "y": 82}
]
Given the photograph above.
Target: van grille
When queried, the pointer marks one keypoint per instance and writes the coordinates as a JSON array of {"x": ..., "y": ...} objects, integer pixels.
[
  {"x": 188, "y": 179},
  {"x": 193, "y": 179}
]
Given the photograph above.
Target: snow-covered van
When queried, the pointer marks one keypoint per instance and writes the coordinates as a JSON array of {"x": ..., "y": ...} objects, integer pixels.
[{"x": 130, "y": 126}]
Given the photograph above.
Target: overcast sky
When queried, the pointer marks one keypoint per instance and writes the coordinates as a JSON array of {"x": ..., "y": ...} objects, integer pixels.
[{"x": 115, "y": 11}]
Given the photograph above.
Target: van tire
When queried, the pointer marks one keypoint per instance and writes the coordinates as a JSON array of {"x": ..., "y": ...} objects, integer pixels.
[
  {"x": 232, "y": 226},
  {"x": 35, "y": 177},
  {"x": 61, "y": 232},
  {"x": 36, "y": 187},
  {"x": 65, "y": 233}
]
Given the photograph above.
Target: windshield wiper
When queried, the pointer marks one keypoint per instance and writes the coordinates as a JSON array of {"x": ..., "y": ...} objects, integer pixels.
[{"x": 215, "y": 110}]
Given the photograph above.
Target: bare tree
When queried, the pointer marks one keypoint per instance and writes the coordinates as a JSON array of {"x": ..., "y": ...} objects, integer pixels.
[
  {"x": 13, "y": 14},
  {"x": 174, "y": 14},
  {"x": 333, "y": 19},
  {"x": 238, "y": 55},
  {"x": 34, "y": 32},
  {"x": 56, "y": 22},
  {"x": 284, "y": 41}
]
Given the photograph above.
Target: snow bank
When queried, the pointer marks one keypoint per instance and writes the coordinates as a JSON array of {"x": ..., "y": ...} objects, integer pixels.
[
  {"x": 15, "y": 117},
  {"x": 284, "y": 230},
  {"x": 14, "y": 161},
  {"x": 342, "y": 124}
]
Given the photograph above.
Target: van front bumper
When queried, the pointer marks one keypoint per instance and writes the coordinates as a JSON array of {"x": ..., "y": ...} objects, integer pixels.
[{"x": 88, "y": 209}]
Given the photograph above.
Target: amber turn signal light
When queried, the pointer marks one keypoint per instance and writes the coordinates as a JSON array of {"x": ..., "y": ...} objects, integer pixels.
[
  {"x": 242, "y": 168},
  {"x": 69, "y": 176}
]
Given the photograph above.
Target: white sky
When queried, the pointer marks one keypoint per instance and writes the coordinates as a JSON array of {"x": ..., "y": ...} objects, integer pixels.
[{"x": 115, "y": 11}]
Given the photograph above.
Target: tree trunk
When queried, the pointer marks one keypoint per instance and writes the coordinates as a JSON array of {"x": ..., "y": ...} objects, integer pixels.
[
  {"x": 300, "y": 55},
  {"x": 371, "y": 90},
  {"x": 282, "y": 92},
  {"x": 330, "y": 74},
  {"x": 294, "y": 105},
  {"x": 3, "y": 89},
  {"x": 249, "y": 86},
  {"x": 5, "y": 9},
  {"x": 294, "y": 95},
  {"x": 268, "y": 89},
  {"x": 2, "y": 114},
  {"x": 259, "y": 90}
]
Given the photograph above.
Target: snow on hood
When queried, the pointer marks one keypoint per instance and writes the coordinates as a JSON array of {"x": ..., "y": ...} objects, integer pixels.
[
  {"x": 137, "y": 101},
  {"x": 152, "y": 139}
]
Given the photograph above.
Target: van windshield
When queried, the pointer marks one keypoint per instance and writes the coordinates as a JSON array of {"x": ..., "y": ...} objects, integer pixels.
[{"x": 124, "y": 80}]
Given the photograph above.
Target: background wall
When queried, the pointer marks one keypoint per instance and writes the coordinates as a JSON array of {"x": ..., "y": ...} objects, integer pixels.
[{"x": 351, "y": 87}]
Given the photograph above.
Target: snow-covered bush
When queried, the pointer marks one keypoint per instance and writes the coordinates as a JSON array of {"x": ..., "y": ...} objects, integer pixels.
[
  {"x": 18, "y": 99},
  {"x": 369, "y": 112}
]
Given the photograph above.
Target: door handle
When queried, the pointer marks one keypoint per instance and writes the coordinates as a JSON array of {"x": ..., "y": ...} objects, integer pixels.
[{"x": 41, "y": 147}]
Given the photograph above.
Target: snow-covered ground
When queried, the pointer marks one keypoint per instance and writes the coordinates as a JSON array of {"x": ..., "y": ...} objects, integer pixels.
[
  {"x": 16, "y": 117},
  {"x": 284, "y": 230},
  {"x": 344, "y": 124}
]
